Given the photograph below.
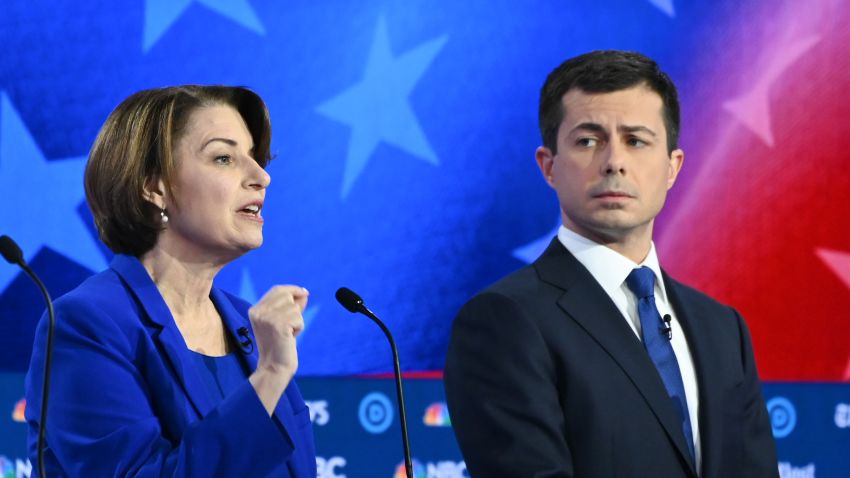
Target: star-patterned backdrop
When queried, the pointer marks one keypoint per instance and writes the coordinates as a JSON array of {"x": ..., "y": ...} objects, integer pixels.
[{"x": 404, "y": 135}]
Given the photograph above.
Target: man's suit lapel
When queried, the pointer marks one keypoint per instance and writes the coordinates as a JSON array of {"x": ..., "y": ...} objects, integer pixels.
[
  {"x": 169, "y": 337},
  {"x": 709, "y": 380},
  {"x": 585, "y": 302}
]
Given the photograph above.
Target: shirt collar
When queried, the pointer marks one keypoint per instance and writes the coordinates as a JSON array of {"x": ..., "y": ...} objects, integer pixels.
[{"x": 607, "y": 266}]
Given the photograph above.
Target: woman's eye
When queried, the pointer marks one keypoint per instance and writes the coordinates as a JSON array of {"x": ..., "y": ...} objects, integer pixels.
[{"x": 223, "y": 159}]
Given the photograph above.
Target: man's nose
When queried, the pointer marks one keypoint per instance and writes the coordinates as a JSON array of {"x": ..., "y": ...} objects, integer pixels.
[{"x": 613, "y": 159}]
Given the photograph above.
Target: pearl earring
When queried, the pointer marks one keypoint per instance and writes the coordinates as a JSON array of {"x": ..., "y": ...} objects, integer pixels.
[{"x": 163, "y": 216}]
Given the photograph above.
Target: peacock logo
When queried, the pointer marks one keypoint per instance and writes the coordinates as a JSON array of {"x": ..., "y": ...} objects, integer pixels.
[
  {"x": 418, "y": 470},
  {"x": 437, "y": 415}
]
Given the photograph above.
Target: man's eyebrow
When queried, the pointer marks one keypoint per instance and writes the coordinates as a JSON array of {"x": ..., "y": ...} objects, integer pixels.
[
  {"x": 636, "y": 129},
  {"x": 588, "y": 126}
]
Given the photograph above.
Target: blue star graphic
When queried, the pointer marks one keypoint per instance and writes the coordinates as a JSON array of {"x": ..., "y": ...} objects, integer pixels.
[
  {"x": 377, "y": 108},
  {"x": 248, "y": 292},
  {"x": 161, "y": 14},
  {"x": 528, "y": 253},
  {"x": 246, "y": 287},
  {"x": 41, "y": 197}
]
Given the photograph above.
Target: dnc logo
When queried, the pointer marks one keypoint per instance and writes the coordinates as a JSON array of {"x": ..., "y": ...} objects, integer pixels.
[
  {"x": 437, "y": 415},
  {"x": 441, "y": 469},
  {"x": 375, "y": 412},
  {"x": 783, "y": 416}
]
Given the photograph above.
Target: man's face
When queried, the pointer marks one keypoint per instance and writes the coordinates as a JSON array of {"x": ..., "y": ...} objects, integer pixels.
[{"x": 612, "y": 170}]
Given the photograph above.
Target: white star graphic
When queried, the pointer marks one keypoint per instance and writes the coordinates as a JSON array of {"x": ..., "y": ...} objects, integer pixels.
[
  {"x": 753, "y": 108},
  {"x": 161, "y": 14},
  {"x": 377, "y": 108},
  {"x": 665, "y": 6},
  {"x": 42, "y": 198}
]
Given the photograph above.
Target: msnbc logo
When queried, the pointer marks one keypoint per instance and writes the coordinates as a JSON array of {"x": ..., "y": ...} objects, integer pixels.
[
  {"x": 328, "y": 467},
  {"x": 440, "y": 469},
  {"x": 437, "y": 415},
  {"x": 18, "y": 411},
  {"x": 14, "y": 468},
  {"x": 418, "y": 470}
]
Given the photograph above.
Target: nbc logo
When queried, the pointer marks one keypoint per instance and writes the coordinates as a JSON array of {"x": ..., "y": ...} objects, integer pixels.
[
  {"x": 18, "y": 411},
  {"x": 440, "y": 469},
  {"x": 328, "y": 467},
  {"x": 15, "y": 468},
  {"x": 437, "y": 415}
]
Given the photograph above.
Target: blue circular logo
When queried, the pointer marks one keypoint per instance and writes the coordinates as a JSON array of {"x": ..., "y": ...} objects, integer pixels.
[
  {"x": 783, "y": 416},
  {"x": 375, "y": 413}
]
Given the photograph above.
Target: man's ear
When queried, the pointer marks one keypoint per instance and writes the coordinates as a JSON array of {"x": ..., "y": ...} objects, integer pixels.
[
  {"x": 154, "y": 192},
  {"x": 545, "y": 161},
  {"x": 677, "y": 158}
]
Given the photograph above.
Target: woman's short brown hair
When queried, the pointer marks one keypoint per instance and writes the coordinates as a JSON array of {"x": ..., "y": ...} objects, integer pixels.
[{"x": 136, "y": 144}]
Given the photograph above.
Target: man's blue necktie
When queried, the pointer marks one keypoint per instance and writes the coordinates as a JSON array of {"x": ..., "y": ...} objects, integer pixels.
[{"x": 642, "y": 282}]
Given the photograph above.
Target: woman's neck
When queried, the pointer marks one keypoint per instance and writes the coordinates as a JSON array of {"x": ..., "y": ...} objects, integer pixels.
[{"x": 184, "y": 285}]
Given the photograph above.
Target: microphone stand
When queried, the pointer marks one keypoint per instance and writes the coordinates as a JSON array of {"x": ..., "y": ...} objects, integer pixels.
[
  {"x": 354, "y": 303},
  {"x": 12, "y": 253}
]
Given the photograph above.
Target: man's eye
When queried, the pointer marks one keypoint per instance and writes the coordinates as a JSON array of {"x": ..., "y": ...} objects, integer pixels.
[
  {"x": 223, "y": 159},
  {"x": 637, "y": 142},
  {"x": 586, "y": 142}
]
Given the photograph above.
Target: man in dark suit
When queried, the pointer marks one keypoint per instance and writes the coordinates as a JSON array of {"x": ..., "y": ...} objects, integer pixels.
[{"x": 592, "y": 362}]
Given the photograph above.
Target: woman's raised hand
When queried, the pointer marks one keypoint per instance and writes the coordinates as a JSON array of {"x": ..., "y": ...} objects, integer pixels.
[{"x": 277, "y": 321}]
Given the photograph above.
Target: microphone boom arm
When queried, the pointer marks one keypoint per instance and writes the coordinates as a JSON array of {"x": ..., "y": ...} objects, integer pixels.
[{"x": 354, "y": 303}]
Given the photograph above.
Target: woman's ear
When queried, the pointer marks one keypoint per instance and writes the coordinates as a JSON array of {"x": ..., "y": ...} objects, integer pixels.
[{"x": 154, "y": 192}]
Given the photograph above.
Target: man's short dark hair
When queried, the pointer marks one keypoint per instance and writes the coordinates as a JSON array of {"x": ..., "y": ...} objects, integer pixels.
[{"x": 605, "y": 71}]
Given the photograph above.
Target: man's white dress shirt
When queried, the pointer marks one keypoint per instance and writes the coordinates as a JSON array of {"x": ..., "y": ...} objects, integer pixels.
[{"x": 610, "y": 270}]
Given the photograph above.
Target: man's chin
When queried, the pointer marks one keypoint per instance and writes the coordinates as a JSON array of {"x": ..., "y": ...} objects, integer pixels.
[{"x": 606, "y": 228}]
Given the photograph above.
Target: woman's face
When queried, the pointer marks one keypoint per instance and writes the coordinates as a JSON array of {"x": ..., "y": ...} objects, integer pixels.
[{"x": 219, "y": 188}]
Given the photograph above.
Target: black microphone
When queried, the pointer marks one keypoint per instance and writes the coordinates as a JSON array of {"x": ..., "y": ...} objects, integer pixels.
[
  {"x": 12, "y": 253},
  {"x": 245, "y": 341},
  {"x": 10, "y": 250},
  {"x": 351, "y": 301},
  {"x": 666, "y": 328}
]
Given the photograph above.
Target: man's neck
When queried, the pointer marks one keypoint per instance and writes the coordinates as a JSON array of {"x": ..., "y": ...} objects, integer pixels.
[{"x": 634, "y": 244}]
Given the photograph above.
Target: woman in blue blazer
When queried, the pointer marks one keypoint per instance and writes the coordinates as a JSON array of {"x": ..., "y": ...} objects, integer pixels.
[{"x": 156, "y": 372}]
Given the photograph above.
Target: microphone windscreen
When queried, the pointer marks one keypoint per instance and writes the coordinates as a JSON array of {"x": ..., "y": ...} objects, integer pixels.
[
  {"x": 349, "y": 299},
  {"x": 11, "y": 252}
]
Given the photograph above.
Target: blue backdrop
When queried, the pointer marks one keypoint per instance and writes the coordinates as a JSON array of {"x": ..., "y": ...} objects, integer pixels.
[{"x": 404, "y": 135}]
